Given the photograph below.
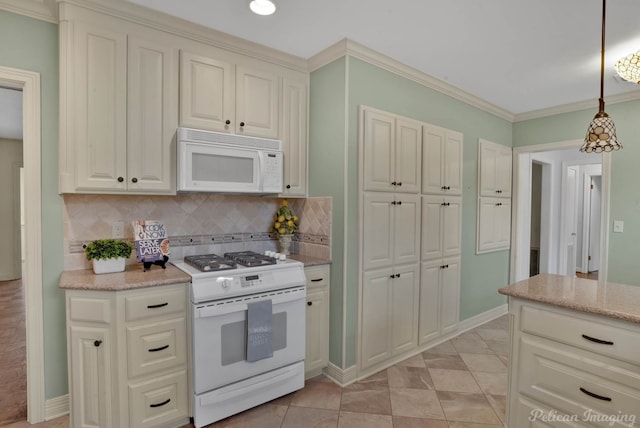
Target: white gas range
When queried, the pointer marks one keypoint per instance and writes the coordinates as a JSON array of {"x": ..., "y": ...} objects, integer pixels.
[{"x": 248, "y": 331}]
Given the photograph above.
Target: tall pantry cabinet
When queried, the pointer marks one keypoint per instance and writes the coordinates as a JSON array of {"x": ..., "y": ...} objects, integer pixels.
[
  {"x": 410, "y": 254},
  {"x": 391, "y": 153}
]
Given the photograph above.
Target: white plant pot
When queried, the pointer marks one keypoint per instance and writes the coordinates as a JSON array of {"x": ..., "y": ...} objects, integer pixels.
[{"x": 108, "y": 265}]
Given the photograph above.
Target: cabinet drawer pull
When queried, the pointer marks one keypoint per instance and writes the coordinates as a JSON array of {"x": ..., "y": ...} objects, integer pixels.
[
  {"x": 600, "y": 341},
  {"x": 160, "y": 305},
  {"x": 591, "y": 394},
  {"x": 167, "y": 401},
  {"x": 162, "y": 348},
  {"x": 317, "y": 279}
]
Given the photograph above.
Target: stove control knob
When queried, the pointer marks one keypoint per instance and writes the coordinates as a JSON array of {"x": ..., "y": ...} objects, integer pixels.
[{"x": 225, "y": 283}]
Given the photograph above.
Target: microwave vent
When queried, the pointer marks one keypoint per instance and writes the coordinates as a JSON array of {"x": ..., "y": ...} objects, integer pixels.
[{"x": 201, "y": 136}]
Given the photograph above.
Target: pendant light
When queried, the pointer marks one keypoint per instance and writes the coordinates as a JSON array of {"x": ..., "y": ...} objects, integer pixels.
[
  {"x": 629, "y": 67},
  {"x": 601, "y": 134}
]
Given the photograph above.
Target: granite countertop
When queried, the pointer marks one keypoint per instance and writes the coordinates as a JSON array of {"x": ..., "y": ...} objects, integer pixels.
[
  {"x": 585, "y": 295},
  {"x": 133, "y": 277},
  {"x": 309, "y": 260}
]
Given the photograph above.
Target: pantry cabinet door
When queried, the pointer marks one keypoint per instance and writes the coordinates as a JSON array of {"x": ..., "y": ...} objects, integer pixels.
[
  {"x": 449, "y": 295},
  {"x": 404, "y": 308},
  {"x": 376, "y": 317},
  {"x": 406, "y": 228},
  {"x": 452, "y": 226},
  {"x": 378, "y": 244},
  {"x": 452, "y": 163},
  {"x": 207, "y": 93},
  {"x": 100, "y": 107},
  {"x": 429, "y": 319},
  {"x": 257, "y": 104},
  {"x": 379, "y": 153},
  {"x": 432, "y": 230},
  {"x": 433, "y": 153},
  {"x": 408, "y": 155},
  {"x": 152, "y": 114}
]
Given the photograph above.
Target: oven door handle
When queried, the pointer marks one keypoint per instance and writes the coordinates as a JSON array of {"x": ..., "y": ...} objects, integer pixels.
[{"x": 241, "y": 304}]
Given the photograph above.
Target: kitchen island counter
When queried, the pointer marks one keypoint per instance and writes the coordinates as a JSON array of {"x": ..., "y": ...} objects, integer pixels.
[
  {"x": 133, "y": 277},
  {"x": 585, "y": 295}
]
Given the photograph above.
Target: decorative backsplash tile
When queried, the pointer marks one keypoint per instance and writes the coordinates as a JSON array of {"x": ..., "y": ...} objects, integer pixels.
[{"x": 195, "y": 223}]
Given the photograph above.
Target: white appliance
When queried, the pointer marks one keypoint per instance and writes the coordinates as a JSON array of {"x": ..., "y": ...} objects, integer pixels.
[
  {"x": 224, "y": 382},
  {"x": 228, "y": 163}
]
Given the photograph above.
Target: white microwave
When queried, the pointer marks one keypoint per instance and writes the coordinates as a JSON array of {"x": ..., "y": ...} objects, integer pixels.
[{"x": 228, "y": 163}]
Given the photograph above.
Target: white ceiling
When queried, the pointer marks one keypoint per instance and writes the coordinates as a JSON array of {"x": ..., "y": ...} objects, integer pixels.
[
  {"x": 520, "y": 55},
  {"x": 11, "y": 114}
]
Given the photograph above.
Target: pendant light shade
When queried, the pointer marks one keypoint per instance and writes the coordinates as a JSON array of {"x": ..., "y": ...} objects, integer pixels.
[
  {"x": 601, "y": 134},
  {"x": 629, "y": 67},
  {"x": 262, "y": 7}
]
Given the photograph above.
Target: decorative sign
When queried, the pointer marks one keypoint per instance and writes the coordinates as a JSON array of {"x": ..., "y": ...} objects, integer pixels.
[{"x": 151, "y": 242}]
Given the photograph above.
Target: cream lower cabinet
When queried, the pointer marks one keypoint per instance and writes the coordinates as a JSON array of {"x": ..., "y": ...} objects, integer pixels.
[
  {"x": 317, "y": 327},
  {"x": 389, "y": 313},
  {"x": 127, "y": 355},
  {"x": 580, "y": 367},
  {"x": 119, "y": 105},
  {"x": 439, "y": 298}
]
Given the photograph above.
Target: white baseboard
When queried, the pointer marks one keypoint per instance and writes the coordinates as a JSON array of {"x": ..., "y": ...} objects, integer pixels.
[
  {"x": 56, "y": 407},
  {"x": 485, "y": 317},
  {"x": 342, "y": 377}
]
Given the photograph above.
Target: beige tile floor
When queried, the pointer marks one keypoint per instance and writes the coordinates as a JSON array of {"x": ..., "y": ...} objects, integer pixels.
[{"x": 461, "y": 383}]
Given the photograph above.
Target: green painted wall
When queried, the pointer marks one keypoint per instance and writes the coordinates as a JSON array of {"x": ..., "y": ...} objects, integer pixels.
[
  {"x": 374, "y": 87},
  {"x": 30, "y": 44},
  {"x": 327, "y": 177},
  {"x": 625, "y": 175}
]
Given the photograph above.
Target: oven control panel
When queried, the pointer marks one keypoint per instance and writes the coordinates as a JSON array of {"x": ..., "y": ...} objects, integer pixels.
[{"x": 250, "y": 280}]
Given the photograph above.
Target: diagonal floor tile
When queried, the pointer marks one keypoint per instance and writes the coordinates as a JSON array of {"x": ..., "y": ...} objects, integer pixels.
[
  {"x": 445, "y": 361},
  {"x": 467, "y": 407},
  {"x": 406, "y": 422},
  {"x": 319, "y": 395},
  {"x": 297, "y": 417},
  {"x": 483, "y": 363},
  {"x": 366, "y": 401},
  {"x": 267, "y": 416},
  {"x": 364, "y": 420},
  {"x": 454, "y": 380},
  {"x": 409, "y": 377},
  {"x": 492, "y": 383},
  {"x": 417, "y": 403}
]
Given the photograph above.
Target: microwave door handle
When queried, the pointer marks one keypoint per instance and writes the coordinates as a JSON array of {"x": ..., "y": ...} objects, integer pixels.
[{"x": 261, "y": 162}]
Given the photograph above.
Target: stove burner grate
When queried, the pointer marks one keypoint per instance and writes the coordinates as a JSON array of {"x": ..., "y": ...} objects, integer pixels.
[
  {"x": 250, "y": 258},
  {"x": 210, "y": 262}
]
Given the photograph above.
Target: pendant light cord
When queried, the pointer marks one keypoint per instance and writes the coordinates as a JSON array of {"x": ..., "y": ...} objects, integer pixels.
[{"x": 601, "y": 101}]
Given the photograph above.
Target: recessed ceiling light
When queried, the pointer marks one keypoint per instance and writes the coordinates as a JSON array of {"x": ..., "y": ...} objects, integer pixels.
[{"x": 262, "y": 7}]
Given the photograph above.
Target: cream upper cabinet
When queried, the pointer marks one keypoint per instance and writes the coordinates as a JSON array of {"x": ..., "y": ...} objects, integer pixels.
[
  {"x": 218, "y": 93},
  {"x": 207, "y": 93},
  {"x": 441, "y": 226},
  {"x": 494, "y": 169},
  {"x": 295, "y": 136},
  {"x": 494, "y": 224},
  {"x": 441, "y": 161},
  {"x": 389, "y": 313},
  {"x": 119, "y": 93},
  {"x": 391, "y": 229},
  {"x": 392, "y": 153}
]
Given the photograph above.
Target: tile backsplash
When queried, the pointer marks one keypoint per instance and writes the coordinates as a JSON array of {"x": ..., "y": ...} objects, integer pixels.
[{"x": 195, "y": 223}]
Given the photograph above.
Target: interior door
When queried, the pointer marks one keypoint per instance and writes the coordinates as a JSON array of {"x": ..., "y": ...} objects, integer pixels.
[
  {"x": 570, "y": 223},
  {"x": 594, "y": 223}
]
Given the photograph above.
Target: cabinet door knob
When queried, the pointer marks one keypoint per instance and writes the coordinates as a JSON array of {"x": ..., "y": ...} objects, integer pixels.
[
  {"x": 120, "y": 179},
  {"x": 241, "y": 124},
  {"x": 393, "y": 203},
  {"x": 399, "y": 202},
  {"x": 397, "y": 275},
  {"x": 288, "y": 186},
  {"x": 399, "y": 183},
  {"x": 309, "y": 303},
  {"x": 97, "y": 343},
  {"x": 392, "y": 276},
  {"x": 393, "y": 183},
  {"x": 134, "y": 180},
  {"x": 227, "y": 122}
]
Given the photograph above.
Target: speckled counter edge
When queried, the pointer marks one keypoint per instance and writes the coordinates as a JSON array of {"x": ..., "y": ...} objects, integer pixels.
[{"x": 133, "y": 277}]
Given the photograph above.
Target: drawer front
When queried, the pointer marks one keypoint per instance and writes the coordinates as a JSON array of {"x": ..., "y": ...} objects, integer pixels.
[
  {"x": 605, "y": 339},
  {"x": 156, "y": 346},
  {"x": 149, "y": 304},
  {"x": 527, "y": 413},
  {"x": 159, "y": 401},
  {"x": 89, "y": 309},
  {"x": 317, "y": 276},
  {"x": 579, "y": 383}
]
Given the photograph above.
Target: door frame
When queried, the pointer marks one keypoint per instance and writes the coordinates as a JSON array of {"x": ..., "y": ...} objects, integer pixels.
[
  {"x": 29, "y": 83},
  {"x": 586, "y": 222},
  {"x": 519, "y": 206}
]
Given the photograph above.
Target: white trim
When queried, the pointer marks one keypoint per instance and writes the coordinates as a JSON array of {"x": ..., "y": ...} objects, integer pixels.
[
  {"x": 342, "y": 377},
  {"x": 483, "y": 318},
  {"x": 582, "y": 105},
  {"x": 345, "y": 217},
  {"x": 32, "y": 277},
  {"x": 515, "y": 208},
  {"x": 353, "y": 49},
  {"x": 57, "y": 407},
  {"x": 44, "y": 10}
]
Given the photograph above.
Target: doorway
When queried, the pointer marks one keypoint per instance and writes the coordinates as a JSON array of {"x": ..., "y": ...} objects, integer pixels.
[
  {"x": 29, "y": 83},
  {"x": 560, "y": 235}
]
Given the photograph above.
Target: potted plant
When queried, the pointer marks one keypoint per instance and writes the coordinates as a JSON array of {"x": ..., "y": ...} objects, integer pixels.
[
  {"x": 286, "y": 222},
  {"x": 108, "y": 255}
]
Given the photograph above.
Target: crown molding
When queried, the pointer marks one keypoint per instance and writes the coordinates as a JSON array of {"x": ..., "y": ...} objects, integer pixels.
[
  {"x": 44, "y": 10},
  {"x": 582, "y": 105},
  {"x": 182, "y": 28},
  {"x": 356, "y": 50}
]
